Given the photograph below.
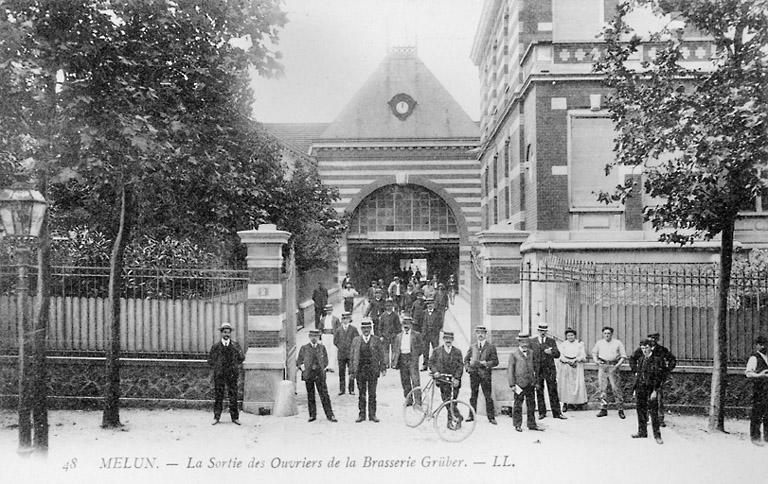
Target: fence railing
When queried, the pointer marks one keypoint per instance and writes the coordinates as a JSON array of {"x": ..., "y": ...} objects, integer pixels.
[
  {"x": 676, "y": 300},
  {"x": 164, "y": 312}
]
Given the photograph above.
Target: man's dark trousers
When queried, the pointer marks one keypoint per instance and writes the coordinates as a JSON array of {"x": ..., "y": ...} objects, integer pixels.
[
  {"x": 367, "y": 379},
  {"x": 476, "y": 381},
  {"x": 644, "y": 404},
  {"x": 449, "y": 392},
  {"x": 230, "y": 380},
  {"x": 322, "y": 389},
  {"x": 433, "y": 338},
  {"x": 554, "y": 401},
  {"x": 344, "y": 364},
  {"x": 409, "y": 373},
  {"x": 526, "y": 395}
]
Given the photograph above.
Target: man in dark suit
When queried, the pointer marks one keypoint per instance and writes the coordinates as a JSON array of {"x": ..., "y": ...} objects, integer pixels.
[
  {"x": 545, "y": 350},
  {"x": 320, "y": 298},
  {"x": 480, "y": 360},
  {"x": 417, "y": 309},
  {"x": 312, "y": 361},
  {"x": 650, "y": 376},
  {"x": 406, "y": 350},
  {"x": 670, "y": 362},
  {"x": 367, "y": 364},
  {"x": 431, "y": 325},
  {"x": 389, "y": 325},
  {"x": 342, "y": 339},
  {"x": 441, "y": 299},
  {"x": 407, "y": 300},
  {"x": 757, "y": 372},
  {"x": 521, "y": 373},
  {"x": 374, "y": 311},
  {"x": 225, "y": 358},
  {"x": 446, "y": 361}
]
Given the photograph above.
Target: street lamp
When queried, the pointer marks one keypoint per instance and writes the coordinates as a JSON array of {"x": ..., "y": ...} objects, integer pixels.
[{"x": 22, "y": 211}]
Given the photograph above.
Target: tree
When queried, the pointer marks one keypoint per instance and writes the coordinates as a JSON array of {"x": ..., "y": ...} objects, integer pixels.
[
  {"x": 150, "y": 93},
  {"x": 700, "y": 135}
]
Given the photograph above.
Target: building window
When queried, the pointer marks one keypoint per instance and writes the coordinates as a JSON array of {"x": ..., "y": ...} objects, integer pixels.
[
  {"x": 590, "y": 149},
  {"x": 577, "y": 20},
  {"x": 403, "y": 208},
  {"x": 507, "y": 158},
  {"x": 494, "y": 171},
  {"x": 495, "y": 209}
]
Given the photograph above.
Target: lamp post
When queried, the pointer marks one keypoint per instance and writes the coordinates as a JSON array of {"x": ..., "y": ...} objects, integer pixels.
[{"x": 22, "y": 211}]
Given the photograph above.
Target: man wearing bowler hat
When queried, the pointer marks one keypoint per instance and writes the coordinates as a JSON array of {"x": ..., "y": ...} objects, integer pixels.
[
  {"x": 225, "y": 358},
  {"x": 479, "y": 363},
  {"x": 521, "y": 375},
  {"x": 342, "y": 339},
  {"x": 312, "y": 361},
  {"x": 446, "y": 361},
  {"x": 545, "y": 352},
  {"x": 406, "y": 350},
  {"x": 368, "y": 363}
]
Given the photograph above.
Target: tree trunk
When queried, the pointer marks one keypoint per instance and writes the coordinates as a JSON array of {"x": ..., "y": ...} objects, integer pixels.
[
  {"x": 720, "y": 362},
  {"x": 41, "y": 315},
  {"x": 111, "y": 416}
]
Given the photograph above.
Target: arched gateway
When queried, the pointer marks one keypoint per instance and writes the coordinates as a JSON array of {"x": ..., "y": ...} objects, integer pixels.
[{"x": 401, "y": 228}]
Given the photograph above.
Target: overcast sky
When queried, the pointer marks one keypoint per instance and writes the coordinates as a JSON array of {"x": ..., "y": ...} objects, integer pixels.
[{"x": 330, "y": 47}]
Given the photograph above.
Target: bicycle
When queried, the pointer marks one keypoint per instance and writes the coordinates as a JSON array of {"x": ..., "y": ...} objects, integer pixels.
[{"x": 448, "y": 419}]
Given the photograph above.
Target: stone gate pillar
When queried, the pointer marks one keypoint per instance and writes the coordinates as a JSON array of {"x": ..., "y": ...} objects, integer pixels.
[
  {"x": 502, "y": 298},
  {"x": 265, "y": 358}
]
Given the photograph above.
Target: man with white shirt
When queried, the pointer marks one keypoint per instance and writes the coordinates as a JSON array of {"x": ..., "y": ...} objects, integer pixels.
[
  {"x": 406, "y": 350},
  {"x": 479, "y": 363},
  {"x": 329, "y": 322},
  {"x": 757, "y": 371},
  {"x": 225, "y": 358},
  {"x": 609, "y": 353},
  {"x": 368, "y": 363}
]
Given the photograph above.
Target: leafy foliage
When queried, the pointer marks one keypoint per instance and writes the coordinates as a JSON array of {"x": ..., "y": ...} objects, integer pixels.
[{"x": 700, "y": 135}]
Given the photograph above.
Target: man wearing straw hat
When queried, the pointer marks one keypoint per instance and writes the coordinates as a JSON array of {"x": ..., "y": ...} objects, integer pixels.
[
  {"x": 342, "y": 339},
  {"x": 312, "y": 361},
  {"x": 406, "y": 349},
  {"x": 545, "y": 352},
  {"x": 368, "y": 363},
  {"x": 480, "y": 360},
  {"x": 225, "y": 358},
  {"x": 329, "y": 322}
]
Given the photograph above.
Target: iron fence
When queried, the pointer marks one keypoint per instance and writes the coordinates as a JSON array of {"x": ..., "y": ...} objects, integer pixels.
[{"x": 676, "y": 300}]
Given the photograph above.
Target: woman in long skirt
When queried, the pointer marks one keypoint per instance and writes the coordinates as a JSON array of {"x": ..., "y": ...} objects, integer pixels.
[{"x": 570, "y": 378}]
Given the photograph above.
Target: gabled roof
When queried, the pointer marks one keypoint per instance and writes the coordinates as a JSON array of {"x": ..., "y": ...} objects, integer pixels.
[
  {"x": 436, "y": 114},
  {"x": 296, "y": 136}
]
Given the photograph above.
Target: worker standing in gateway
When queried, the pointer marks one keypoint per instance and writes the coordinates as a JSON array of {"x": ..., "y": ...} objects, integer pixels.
[
  {"x": 224, "y": 359},
  {"x": 609, "y": 354}
]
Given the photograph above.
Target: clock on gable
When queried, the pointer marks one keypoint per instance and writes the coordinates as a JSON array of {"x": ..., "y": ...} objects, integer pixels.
[{"x": 402, "y": 105}]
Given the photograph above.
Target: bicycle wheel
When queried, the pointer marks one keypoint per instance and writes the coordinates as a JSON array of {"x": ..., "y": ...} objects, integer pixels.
[
  {"x": 451, "y": 421},
  {"x": 415, "y": 410}
]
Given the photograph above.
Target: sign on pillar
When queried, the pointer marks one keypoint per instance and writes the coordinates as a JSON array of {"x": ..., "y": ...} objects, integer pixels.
[{"x": 265, "y": 358}]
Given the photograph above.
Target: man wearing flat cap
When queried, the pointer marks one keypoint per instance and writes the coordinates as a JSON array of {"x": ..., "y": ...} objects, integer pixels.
[
  {"x": 447, "y": 361},
  {"x": 545, "y": 351},
  {"x": 648, "y": 380},
  {"x": 479, "y": 363},
  {"x": 368, "y": 363},
  {"x": 342, "y": 339},
  {"x": 389, "y": 325},
  {"x": 225, "y": 358},
  {"x": 431, "y": 325},
  {"x": 312, "y": 361},
  {"x": 406, "y": 350},
  {"x": 757, "y": 372},
  {"x": 669, "y": 364},
  {"x": 521, "y": 375}
]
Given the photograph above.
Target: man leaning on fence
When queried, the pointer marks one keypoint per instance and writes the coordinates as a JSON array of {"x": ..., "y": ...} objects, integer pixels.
[{"x": 225, "y": 358}]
